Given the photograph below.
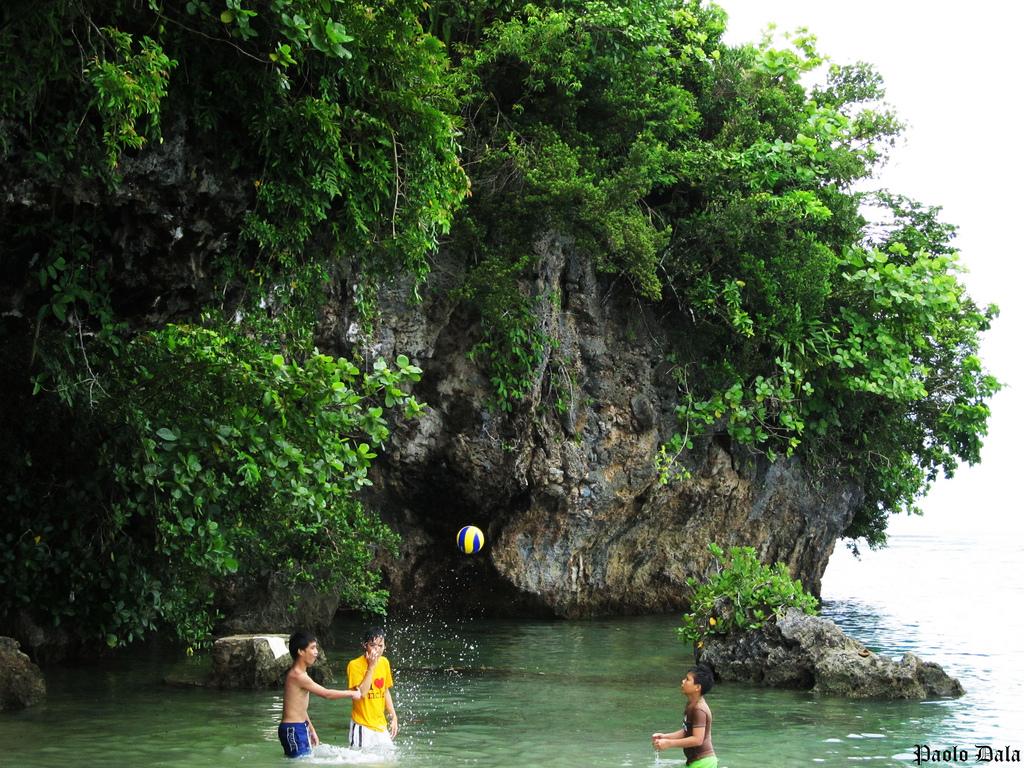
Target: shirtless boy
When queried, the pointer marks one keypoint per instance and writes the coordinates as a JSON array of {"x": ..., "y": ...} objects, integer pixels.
[{"x": 296, "y": 732}]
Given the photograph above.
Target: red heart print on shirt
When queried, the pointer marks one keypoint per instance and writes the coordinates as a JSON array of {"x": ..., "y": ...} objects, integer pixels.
[{"x": 379, "y": 682}]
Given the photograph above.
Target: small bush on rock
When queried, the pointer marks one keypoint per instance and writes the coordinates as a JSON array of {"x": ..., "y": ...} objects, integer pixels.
[{"x": 744, "y": 594}]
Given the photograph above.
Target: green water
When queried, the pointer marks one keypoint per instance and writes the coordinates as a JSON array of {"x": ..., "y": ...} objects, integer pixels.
[{"x": 481, "y": 693}]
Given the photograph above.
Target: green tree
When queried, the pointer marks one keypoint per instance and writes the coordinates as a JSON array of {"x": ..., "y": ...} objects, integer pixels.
[
  {"x": 207, "y": 456},
  {"x": 189, "y": 176}
]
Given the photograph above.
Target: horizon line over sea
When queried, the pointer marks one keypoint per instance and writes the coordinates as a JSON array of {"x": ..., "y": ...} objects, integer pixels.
[{"x": 948, "y": 588}]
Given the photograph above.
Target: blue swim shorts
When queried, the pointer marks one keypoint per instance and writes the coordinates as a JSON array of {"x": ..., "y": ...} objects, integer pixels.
[{"x": 294, "y": 738}]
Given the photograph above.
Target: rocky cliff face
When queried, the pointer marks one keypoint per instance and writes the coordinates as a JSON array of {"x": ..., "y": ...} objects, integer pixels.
[
  {"x": 162, "y": 227},
  {"x": 575, "y": 519}
]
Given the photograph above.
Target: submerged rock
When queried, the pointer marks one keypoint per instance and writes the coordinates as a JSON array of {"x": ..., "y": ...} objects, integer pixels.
[
  {"x": 21, "y": 681},
  {"x": 801, "y": 651}
]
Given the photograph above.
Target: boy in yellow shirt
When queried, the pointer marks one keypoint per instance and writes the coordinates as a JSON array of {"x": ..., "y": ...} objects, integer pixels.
[{"x": 370, "y": 674}]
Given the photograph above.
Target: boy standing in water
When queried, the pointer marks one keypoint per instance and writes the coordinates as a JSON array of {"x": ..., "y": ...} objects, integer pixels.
[
  {"x": 296, "y": 731},
  {"x": 370, "y": 675},
  {"x": 695, "y": 735}
]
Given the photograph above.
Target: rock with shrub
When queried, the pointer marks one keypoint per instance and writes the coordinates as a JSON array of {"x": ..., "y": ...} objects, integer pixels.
[{"x": 752, "y": 623}]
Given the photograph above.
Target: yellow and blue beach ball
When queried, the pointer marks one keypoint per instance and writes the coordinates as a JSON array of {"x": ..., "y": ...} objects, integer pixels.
[{"x": 470, "y": 539}]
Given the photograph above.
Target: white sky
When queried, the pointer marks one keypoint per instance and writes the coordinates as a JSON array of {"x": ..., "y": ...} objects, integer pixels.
[{"x": 954, "y": 74}]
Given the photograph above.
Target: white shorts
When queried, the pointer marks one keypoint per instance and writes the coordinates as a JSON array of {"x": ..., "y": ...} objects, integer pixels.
[{"x": 360, "y": 736}]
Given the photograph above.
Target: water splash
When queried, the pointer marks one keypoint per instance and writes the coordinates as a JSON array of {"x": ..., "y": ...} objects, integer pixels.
[{"x": 330, "y": 754}]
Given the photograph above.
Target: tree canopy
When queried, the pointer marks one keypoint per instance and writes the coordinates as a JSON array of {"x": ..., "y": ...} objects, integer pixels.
[
  {"x": 183, "y": 179},
  {"x": 187, "y": 175},
  {"x": 721, "y": 186}
]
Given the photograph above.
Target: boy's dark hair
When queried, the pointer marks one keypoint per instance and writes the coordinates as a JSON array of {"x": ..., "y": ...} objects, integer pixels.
[
  {"x": 372, "y": 634},
  {"x": 703, "y": 676},
  {"x": 299, "y": 641}
]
